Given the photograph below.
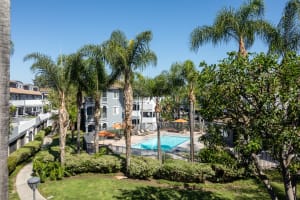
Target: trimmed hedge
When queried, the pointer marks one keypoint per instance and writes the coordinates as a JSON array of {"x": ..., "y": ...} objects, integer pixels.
[
  {"x": 182, "y": 171},
  {"x": 76, "y": 164},
  {"x": 24, "y": 153},
  {"x": 143, "y": 168}
]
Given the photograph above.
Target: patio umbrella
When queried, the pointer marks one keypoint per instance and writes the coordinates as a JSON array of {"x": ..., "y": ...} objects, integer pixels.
[
  {"x": 118, "y": 126},
  {"x": 105, "y": 133},
  {"x": 180, "y": 121}
]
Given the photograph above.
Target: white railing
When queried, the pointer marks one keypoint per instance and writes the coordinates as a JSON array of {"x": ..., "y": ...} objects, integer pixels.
[
  {"x": 25, "y": 125},
  {"x": 31, "y": 103}
]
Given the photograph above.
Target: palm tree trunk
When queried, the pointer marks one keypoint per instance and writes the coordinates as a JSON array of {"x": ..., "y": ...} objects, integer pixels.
[
  {"x": 79, "y": 104},
  {"x": 63, "y": 127},
  {"x": 142, "y": 108},
  {"x": 97, "y": 120},
  {"x": 157, "y": 111},
  {"x": 242, "y": 49},
  {"x": 191, "y": 116},
  {"x": 128, "y": 97},
  {"x": 4, "y": 93}
]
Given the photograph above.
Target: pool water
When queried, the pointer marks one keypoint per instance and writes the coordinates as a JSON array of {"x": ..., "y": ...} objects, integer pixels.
[{"x": 167, "y": 143}]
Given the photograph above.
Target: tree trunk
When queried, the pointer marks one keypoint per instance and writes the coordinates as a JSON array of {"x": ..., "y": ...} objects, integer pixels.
[
  {"x": 157, "y": 111},
  {"x": 142, "y": 108},
  {"x": 4, "y": 93},
  {"x": 79, "y": 104},
  {"x": 290, "y": 193},
  {"x": 264, "y": 178},
  {"x": 191, "y": 123},
  {"x": 63, "y": 127},
  {"x": 128, "y": 98},
  {"x": 242, "y": 49},
  {"x": 97, "y": 120}
]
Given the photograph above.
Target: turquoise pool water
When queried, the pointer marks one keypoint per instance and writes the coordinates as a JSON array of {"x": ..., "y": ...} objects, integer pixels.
[{"x": 167, "y": 143}]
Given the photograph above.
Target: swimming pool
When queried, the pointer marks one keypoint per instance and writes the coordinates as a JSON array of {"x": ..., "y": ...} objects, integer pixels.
[{"x": 167, "y": 143}]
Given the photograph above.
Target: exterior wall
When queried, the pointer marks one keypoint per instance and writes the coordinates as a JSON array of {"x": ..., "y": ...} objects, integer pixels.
[
  {"x": 112, "y": 109},
  {"x": 144, "y": 112},
  {"x": 25, "y": 131}
]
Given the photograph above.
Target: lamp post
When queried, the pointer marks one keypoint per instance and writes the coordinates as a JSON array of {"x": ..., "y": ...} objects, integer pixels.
[{"x": 33, "y": 183}]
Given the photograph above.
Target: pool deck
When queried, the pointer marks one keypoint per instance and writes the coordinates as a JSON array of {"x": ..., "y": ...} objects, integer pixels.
[{"x": 135, "y": 139}]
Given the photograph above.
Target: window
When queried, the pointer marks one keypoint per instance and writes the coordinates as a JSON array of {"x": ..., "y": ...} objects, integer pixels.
[
  {"x": 135, "y": 121},
  {"x": 104, "y": 96},
  {"x": 116, "y": 94},
  {"x": 104, "y": 112},
  {"x": 148, "y": 114},
  {"x": 104, "y": 126},
  {"x": 136, "y": 107},
  {"x": 90, "y": 111},
  {"x": 115, "y": 110}
]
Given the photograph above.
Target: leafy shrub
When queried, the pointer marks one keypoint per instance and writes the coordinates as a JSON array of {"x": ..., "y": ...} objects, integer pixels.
[
  {"x": 24, "y": 153},
  {"x": 225, "y": 174},
  {"x": 143, "y": 168},
  {"x": 82, "y": 163},
  {"x": 217, "y": 156},
  {"x": 179, "y": 170},
  {"x": 51, "y": 170}
]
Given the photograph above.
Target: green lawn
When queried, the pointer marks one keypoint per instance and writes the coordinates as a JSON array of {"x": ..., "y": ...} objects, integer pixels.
[{"x": 105, "y": 187}]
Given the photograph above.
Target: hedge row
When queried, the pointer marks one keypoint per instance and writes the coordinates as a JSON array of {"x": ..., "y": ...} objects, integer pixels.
[{"x": 24, "y": 153}]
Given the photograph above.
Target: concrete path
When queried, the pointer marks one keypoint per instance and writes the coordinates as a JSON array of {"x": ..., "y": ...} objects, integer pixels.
[{"x": 24, "y": 191}]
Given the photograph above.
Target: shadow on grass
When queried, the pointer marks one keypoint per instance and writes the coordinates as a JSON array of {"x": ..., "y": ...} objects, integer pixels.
[{"x": 154, "y": 193}]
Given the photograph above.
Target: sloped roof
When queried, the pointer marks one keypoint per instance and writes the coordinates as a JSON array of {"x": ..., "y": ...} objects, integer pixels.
[{"x": 22, "y": 91}]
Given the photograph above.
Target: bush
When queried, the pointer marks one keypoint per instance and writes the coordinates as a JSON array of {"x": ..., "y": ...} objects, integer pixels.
[
  {"x": 24, "y": 153},
  {"x": 216, "y": 156},
  {"x": 143, "y": 168},
  {"x": 82, "y": 163},
  {"x": 182, "y": 171},
  {"x": 225, "y": 174},
  {"x": 51, "y": 170}
]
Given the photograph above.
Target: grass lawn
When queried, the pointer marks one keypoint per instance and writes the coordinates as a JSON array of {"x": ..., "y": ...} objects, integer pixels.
[{"x": 106, "y": 187}]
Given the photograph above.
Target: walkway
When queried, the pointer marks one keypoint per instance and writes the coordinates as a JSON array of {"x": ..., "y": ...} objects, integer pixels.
[{"x": 24, "y": 191}]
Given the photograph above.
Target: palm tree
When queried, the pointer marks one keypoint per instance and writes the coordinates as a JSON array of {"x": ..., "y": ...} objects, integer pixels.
[
  {"x": 76, "y": 67},
  {"x": 4, "y": 91},
  {"x": 125, "y": 57},
  {"x": 241, "y": 25},
  {"x": 56, "y": 76},
  {"x": 190, "y": 76},
  {"x": 287, "y": 36},
  {"x": 159, "y": 87},
  {"x": 96, "y": 83}
]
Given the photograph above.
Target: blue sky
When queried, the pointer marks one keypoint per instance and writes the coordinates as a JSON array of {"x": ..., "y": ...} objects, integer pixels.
[{"x": 53, "y": 27}]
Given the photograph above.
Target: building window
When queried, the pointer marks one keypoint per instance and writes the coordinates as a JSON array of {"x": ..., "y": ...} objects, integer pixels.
[
  {"x": 115, "y": 110},
  {"x": 104, "y": 112},
  {"x": 136, "y": 107},
  {"x": 148, "y": 114},
  {"x": 104, "y": 126},
  {"x": 104, "y": 96},
  {"x": 90, "y": 111},
  {"x": 116, "y": 94},
  {"x": 135, "y": 121}
]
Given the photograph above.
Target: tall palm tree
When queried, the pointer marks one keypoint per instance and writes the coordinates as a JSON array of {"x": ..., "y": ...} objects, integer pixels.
[
  {"x": 126, "y": 56},
  {"x": 241, "y": 25},
  {"x": 77, "y": 69},
  {"x": 57, "y": 78},
  {"x": 4, "y": 92},
  {"x": 96, "y": 83},
  {"x": 190, "y": 76},
  {"x": 287, "y": 36},
  {"x": 159, "y": 87}
]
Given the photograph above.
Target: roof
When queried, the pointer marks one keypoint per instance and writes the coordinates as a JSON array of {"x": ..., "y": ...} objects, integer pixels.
[{"x": 22, "y": 91}]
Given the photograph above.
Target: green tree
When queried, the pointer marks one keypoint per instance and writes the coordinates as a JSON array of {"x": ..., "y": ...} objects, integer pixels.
[
  {"x": 287, "y": 36},
  {"x": 57, "y": 78},
  {"x": 97, "y": 82},
  {"x": 126, "y": 56},
  {"x": 159, "y": 87},
  {"x": 240, "y": 25},
  {"x": 190, "y": 77},
  {"x": 4, "y": 91},
  {"x": 77, "y": 69},
  {"x": 258, "y": 99}
]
